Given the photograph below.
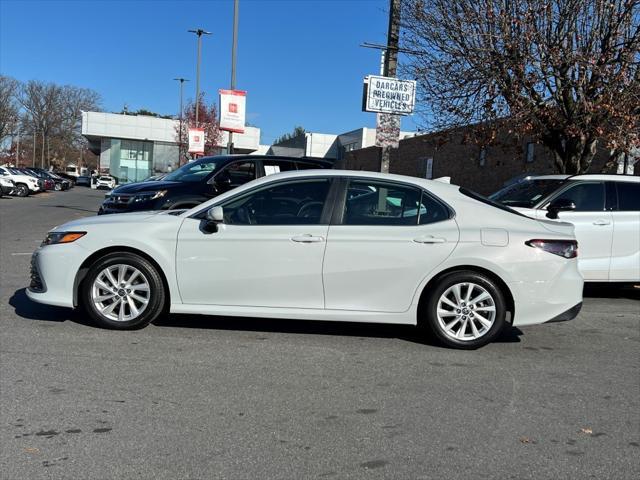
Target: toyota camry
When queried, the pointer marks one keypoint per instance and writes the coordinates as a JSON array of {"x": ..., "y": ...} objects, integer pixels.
[{"x": 320, "y": 245}]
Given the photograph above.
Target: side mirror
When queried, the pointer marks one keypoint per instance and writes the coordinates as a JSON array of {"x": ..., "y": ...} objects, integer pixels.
[
  {"x": 213, "y": 217},
  {"x": 561, "y": 205},
  {"x": 223, "y": 180},
  {"x": 215, "y": 214}
]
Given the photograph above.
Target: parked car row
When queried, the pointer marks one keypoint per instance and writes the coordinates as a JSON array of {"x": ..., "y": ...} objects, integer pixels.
[{"x": 22, "y": 182}]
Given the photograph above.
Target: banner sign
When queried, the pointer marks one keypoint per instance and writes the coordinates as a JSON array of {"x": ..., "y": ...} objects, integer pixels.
[
  {"x": 389, "y": 95},
  {"x": 232, "y": 110},
  {"x": 196, "y": 140}
]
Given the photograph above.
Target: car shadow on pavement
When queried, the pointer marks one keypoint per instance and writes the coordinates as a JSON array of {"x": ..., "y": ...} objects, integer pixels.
[
  {"x": 607, "y": 290},
  {"x": 28, "y": 309},
  {"x": 70, "y": 208},
  {"x": 311, "y": 327}
]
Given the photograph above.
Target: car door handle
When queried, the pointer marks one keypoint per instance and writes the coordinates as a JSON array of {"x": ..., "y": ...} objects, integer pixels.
[
  {"x": 602, "y": 222},
  {"x": 307, "y": 239},
  {"x": 429, "y": 239}
]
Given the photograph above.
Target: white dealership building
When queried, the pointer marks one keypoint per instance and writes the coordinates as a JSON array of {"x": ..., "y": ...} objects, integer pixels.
[{"x": 134, "y": 147}]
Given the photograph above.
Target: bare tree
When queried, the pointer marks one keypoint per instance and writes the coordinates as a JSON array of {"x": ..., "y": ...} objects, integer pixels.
[
  {"x": 52, "y": 113},
  {"x": 8, "y": 106},
  {"x": 563, "y": 72}
]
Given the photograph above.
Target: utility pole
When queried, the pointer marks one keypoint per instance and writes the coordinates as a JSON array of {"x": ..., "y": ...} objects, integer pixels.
[
  {"x": 234, "y": 52},
  {"x": 181, "y": 80},
  {"x": 42, "y": 156},
  {"x": 199, "y": 32},
  {"x": 18, "y": 149},
  {"x": 33, "y": 157},
  {"x": 388, "y": 125}
]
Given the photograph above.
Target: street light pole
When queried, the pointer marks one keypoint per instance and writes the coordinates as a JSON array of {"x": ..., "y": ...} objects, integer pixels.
[
  {"x": 234, "y": 52},
  {"x": 199, "y": 32},
  {"x": 181, "y": 80}
]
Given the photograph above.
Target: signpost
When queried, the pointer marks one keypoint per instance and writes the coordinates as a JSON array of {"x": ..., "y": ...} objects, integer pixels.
[
  {"x": 389, "y": 95},
  {"x": 232, "y": 110},
  {"x": 196, "y": 141}
]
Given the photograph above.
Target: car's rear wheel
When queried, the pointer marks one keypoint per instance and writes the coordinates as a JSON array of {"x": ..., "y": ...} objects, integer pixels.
[
  {"x": 123, "y": 291},
  {"x": 466, "y": 310},
  {"x": 22, "y": 190}
]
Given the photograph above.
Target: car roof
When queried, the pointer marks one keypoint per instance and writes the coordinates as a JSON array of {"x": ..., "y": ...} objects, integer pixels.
[
  {"x": 229, "y": 158},
  {"x": 608, "y": 177}
]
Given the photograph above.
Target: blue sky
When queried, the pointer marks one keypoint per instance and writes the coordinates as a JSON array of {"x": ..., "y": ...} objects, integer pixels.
[{"x": 299, "y": 60}]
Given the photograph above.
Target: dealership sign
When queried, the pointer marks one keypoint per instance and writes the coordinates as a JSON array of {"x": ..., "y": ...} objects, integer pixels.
[
  {"x": 388, "y": 95},
  {"x": 232, "y": 110},
  {"x": 196, "y": 140}
]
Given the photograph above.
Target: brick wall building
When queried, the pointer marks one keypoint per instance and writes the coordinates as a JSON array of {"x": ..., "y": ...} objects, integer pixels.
[{"x": 484, "y": 170}]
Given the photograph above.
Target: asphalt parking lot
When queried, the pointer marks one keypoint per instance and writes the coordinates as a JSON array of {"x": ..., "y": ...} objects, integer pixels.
[{"x": 207, "y": 397}]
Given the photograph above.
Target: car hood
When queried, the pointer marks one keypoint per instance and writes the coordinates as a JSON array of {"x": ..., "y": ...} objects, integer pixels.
[
  {"x": 116, "y": 219},
  {"x": 146, "y": 187}
]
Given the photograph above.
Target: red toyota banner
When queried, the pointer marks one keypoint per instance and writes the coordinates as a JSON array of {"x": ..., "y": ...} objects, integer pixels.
[
  {"x": 232, "y": 110},
  {"x": 196, "y": 140}
]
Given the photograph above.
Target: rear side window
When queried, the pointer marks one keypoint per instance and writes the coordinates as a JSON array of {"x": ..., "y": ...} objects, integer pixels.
[
  {"x": 588, "y": 197},
  {"x": 277, "y": 166},
  {"x": 628, "y": 196},
  {"x": 380, "y": 203}
]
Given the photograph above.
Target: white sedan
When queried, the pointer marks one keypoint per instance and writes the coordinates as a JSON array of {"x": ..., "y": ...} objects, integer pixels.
[{"x": 320, "y": 245}]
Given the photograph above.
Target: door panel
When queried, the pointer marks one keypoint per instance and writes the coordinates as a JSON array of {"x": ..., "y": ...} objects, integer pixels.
[
  {"x": 593, "y": 226},
  {"x": 625, "y": 255},
  {"x": 251, "y": 265},
  {"x": 267, "y": 253},
  {"x": 377, "y": 268},
  {"x": 389, "y": 237}
]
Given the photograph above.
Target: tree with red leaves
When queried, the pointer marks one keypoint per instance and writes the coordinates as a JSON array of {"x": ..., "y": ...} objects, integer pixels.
[{"x": 207, "y": 120}]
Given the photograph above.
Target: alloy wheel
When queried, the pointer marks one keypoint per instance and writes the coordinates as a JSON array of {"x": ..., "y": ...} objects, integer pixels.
[
  {"x": 466, "y": 311},
  {"x": 120, "y": 292}
]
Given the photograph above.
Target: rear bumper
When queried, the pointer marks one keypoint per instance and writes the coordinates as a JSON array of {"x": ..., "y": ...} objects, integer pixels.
[{"x": 568, "y": 315}]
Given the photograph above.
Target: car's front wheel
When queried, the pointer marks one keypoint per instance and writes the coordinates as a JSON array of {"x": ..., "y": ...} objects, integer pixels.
[
  {"x": 466, "y": 310},
  {"x": 22, "y": 190},
  {"x": 123, "y": 291}
]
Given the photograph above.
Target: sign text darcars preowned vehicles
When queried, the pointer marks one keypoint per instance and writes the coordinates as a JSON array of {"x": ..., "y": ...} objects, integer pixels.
[{"x": 389, "y": 95}]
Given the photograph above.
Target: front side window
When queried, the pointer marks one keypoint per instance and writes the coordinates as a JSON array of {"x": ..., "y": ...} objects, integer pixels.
[
  {"x": 588, "y": 197},
  {"x": 289, "y": 203},
  {"x": 526, "y": 193},
  {"x": 379, "y": 203},
  {"x": 237, "y": 174},
  {"x": 628, "y": 196}
]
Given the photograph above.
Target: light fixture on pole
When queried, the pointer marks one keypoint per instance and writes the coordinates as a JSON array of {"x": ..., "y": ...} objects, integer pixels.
[
  {"x": 199, "y": 32},
  {"x": 181, "y": 80}
]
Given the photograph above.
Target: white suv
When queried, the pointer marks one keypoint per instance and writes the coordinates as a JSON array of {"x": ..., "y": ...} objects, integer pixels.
[
  {"x": 605, "y": 210},
  {"x": 104, "y": 181},
  {"x": 24, "y": 184}
]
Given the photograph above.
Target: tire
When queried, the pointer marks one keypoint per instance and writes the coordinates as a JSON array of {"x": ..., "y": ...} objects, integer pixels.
[
  {"x": 22, "y": 190},
  {"x": 458, "y": 323},
  {"x": 146, "y": 285}
]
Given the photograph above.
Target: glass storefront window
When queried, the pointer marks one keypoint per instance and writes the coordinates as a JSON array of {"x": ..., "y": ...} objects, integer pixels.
[{"x": 136, "y": 160}]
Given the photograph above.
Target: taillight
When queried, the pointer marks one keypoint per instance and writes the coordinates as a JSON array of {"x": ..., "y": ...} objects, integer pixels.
[{"x": 563, "y": 248}]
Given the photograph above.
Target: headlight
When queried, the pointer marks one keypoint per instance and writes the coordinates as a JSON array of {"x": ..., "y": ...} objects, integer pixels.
[
  {"x": 62, "y": 237},
  {"x": 150, "y": 195}
]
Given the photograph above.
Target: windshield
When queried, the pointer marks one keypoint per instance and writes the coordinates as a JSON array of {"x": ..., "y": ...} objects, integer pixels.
[
  {"x": 193, "y": 172},
  {"x": 526, "y": 193}
]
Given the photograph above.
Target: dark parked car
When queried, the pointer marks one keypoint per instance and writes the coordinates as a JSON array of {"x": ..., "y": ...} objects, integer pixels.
[
  {"x": 45, "y": 182},
  {"x": 200, "y": 180},
  {"x": 58, "y": 182},
  {"x": 83, "y": 180}
]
